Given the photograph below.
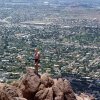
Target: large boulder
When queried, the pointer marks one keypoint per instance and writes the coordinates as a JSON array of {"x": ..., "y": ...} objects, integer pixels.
[
  {"x": 58, "y": 94},
  {"x": 68, "y": 91},
  {"x": 63, "y": 90},
  {"x": 46, "y": 80},
  {"x": 29, "y": 84}
]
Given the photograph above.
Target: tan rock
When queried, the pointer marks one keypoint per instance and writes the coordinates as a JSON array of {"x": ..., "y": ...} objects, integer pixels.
[
  {"x": 4, "y": 96},
  {"x": 38, "y": 95},
  {"x": 45, "y": 79},
  {"x": 49, "y": 96},
  {"x": 12, "y": 91},
  {"x": 69, "y": 94},
  {"x": 41, "y": 87},
  {"x": 2, "y": 85},
  {"x": 19, "y": 98},
  {"x": 7, "y": 92},
  {"x": 59, "y": 95},
  {"x": 60, "y": 84},
  {"x": 45, "y": 92}
]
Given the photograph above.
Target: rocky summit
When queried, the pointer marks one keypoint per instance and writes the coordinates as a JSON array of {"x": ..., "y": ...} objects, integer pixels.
[{"x": 40, "y": 87}]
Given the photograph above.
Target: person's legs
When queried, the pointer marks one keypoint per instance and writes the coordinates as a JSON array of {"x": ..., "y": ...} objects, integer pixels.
[
  {"x": 36, "y": 68},
  {"x": 37, "y": 65}
]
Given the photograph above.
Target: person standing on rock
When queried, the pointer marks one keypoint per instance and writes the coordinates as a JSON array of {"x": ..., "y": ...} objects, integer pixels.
[{"x": 37, "y": 60}]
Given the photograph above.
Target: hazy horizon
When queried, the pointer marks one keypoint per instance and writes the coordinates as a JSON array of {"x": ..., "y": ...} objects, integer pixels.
[{"x": 91, "y": 3}]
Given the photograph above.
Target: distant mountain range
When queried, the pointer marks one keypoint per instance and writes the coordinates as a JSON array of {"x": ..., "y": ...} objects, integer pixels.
[
  {"x": 68, "y": 1},
  {"x": 82, "y": 3}
]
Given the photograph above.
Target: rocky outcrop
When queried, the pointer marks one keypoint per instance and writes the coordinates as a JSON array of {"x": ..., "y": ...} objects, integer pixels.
[
  {"x": 83, "y": 96},
  {"x": 36, "y": 87}
]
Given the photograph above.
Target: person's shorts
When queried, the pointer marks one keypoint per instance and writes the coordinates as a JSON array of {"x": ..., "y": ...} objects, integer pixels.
[{"x": 37, "y": 61}]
